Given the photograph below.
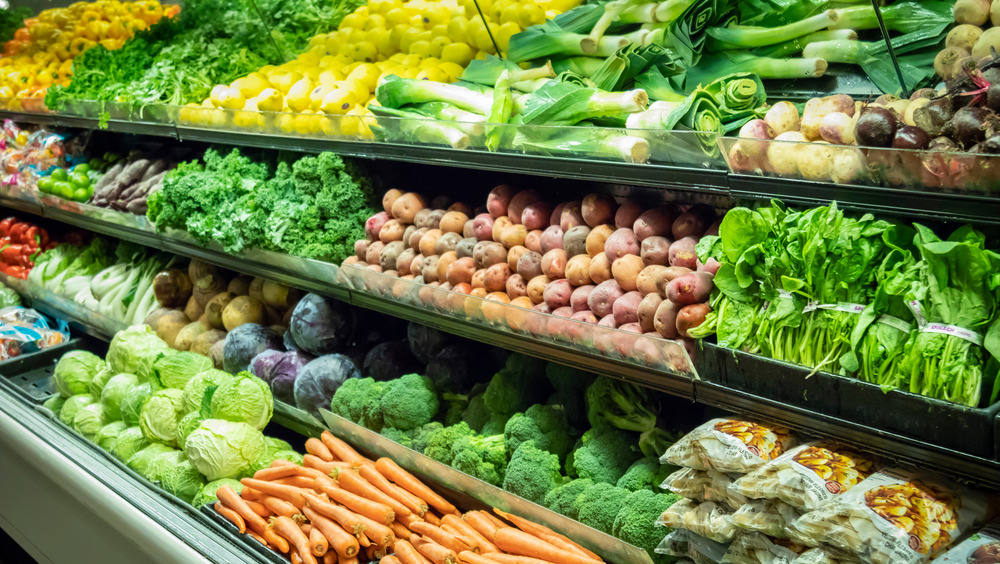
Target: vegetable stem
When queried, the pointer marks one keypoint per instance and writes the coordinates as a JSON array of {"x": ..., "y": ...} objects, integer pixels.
[{"x": 724, "y": 38}]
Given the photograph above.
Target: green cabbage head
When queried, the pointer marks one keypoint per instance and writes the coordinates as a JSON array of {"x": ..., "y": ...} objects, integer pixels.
[
  {"x": 55, "y": 403},
  {"x": 162, "y": 463},
  {"x": 72, "y": 406},
  {"x": 175, "y": 370},
  {"x": 141, "y": 460},
  {"x": 187, "y": 425},
  {"x": 275, "y": 444},
  {"x": 96, "y": 385},
  {"x": 207, "y": 494},
  {"x": 134, "y": 348},
  {"x": 89, "y": 420},
  {"x": 135, "y": 398},
  {"x": 114, "y": 394},
  {"x": 108, "y": 434},
  {"x": 129, "y": 442},
  {"x": 183, "y": 480},
  {"x": 224, "y": 449},
  {"x": 195, "y": 388},
  {"x": 74, "y": 371},
  {"x": 160, "y": 415},
  {"x": 246, "y": 399}
]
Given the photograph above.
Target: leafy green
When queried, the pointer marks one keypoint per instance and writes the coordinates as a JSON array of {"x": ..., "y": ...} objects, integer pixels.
[{"x": 11, "y": 19}]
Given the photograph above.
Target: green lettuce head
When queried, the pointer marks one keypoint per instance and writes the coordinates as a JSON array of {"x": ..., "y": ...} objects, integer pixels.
[
  {"x": 72, "y": 406},
  {"x": 114, "y": 394},
  {"x": 140, "y": 461},
  {"x": 54, "y": 403},
  {"x": 187, "y": 425},
  {"x": 224, "y": 449},
  {"x": 134, "y": 348},
  {"x": 74, "y": 371},
  {"x": 160, "y": 415},
  {"x": 89, "y": 420},
  {"x": 246, "y": 399},
  {"x": 108, "y": 435},
  {"x": 135, "y": 398},
  {"x": 195, "y": 388},
  {"x": 129, "y": 442},
  {"x": 96, "y": 385},
  {"x": 175, "y": 370},
  {"x": 207, "y": 494},
  {"x": 183, "y": 480}
]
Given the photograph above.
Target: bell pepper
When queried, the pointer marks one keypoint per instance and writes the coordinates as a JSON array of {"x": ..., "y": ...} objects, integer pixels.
[
  {"x": 18, "y": 272},
  {"x": 5, "y": 226}
]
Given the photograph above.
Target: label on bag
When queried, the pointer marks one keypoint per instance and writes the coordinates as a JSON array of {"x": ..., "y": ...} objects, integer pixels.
[
  {"x": 894, "y": 322},
  {"x": 955, "y": 331}
]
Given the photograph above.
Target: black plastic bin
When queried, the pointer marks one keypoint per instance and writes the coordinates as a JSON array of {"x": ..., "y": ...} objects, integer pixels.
[{"x": 31, "y": 374}]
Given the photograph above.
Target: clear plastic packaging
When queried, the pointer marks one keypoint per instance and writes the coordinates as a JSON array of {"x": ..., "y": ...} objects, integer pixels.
[
  {"x": 675, "y": 543},
  {"x": 807, "y": 476},
  {"x": 981, "y": 548},
  {"x": 709, "y": 519},
  {"x": 822, "y": 556},
  {"x": 25, "y": 330},
  {"x": 770, "y": 517},
  {"x": 730, "y": 445},
  {"x": 757, "y": 548},
  {"x": 704, "y": 485}
]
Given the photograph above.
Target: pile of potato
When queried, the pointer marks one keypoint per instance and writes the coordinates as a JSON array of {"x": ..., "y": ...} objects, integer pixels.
[
  {"x": 597, "y": 260},
  {"x": 199, "y": 307},
  {"x": 972, "y": 38}
]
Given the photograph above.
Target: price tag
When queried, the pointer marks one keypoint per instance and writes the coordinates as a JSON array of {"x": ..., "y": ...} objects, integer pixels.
[{"x": 955, "y": 331}]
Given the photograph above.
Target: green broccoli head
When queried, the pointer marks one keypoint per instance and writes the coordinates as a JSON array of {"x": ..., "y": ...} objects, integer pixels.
[
  {"x": 600, "y": 504},
  {"x": 476, "y": 414},
  {"x": 489, "y": 448},
  {"x": 605, "y": 455},
  {"x": 532, "y": 473},
  {"x": 563, "y": 499},
  {"x": 467, "y": 461},
  {"x": 442, "y": 443},
  {"x": 645, "y": 474},
  {"x": 545, "y": 425},
  {"x": 495, "y": 424},
  {"x": 455, "y": 405},
  {"x": 404, "y": 438},
  {"x": 516, "y": 387},
  {"x": 635, "y": 522},
  {"x": 351, "y": 397},
  {"x": 618, "y": 404},
  {"x": 409, "y": 402},
  {"x": 421, "y": 435}
]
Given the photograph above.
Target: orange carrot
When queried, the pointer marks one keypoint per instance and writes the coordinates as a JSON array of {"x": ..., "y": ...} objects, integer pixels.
[
  {"x": 306, "y": 527},
  {"x": 402, "y": 497},
  {"x": 229, "y": 498},
  {"x": 316, "y": 447},
  {"x": 259, "y": 509},
  {"x": 324, "y": 466},
  {"x": 231, "y": 516},
  {"x": 377, "y": 532},
  {"x": 341, "y": 542},
  {"x": 291, "y": 532},
  {"x": 374, "y": 552},
  {"x": 282, "y": 462},
  {"x": 408, "y": 520},
  {"x": 296, "y": 481},
  {"x": 364, "y": 541},
  {"x": 341, "y": 450},
  {"x": 347, "y": 518},
  {"x": 435, "y": 552},
  {"x": 501, "y": 558},
  {"x": 275, "y": 472},
  {"x": 432, "y": 518},
  {"x": 390, "y": 559},
  {"x": 441, "y": 536},
  {"x": 400, "y": 530},
  {"x": 497, "y": 522},
  {"x": 257, "y": 537},
  {"x": 546, "y": 534},
  {"x": 470, "y": 534},
  {"x": 374, "y": 510},
  {"x": 516, "y": 541},
  {"x": 349, "y": 560},
  {"x": 355, "y": 483},
  {"x": 480, "y": 523},
  {"x": 331, "y": 558},
  {"x": 410, "y": 483},
  {"x": 318, "y": 542},
  {"x": 295, "y": 558},
  {"x": 250, "y": 494},
  {"x": 408, "y": 554},
  {"x": 288, "y": 493},
  {"x": 279, "y": 506},
  {"x": 469, "y": 557}
]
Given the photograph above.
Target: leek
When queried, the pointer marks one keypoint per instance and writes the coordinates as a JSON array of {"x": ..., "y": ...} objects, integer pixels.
[
  {"x": 611, "y": 12},
  {"x": 585, "y": 66},
  {"x": 564, "y": 103},
  {"x": 624, "y": 65},
  {"x": 468, "y": 122},
  {"x": 590, "y": 142},
  {"x": 530, "y": 85},
  {"x": 736, "y": 37},
  {"x": 538, "y": 43},
  {"x": 658, "y": 86},
  {"x": 413, "y": 127},
  {"x": 503, "y": 107},
  {"x": 798, "y": 44},
  {"x": 671, "y": 9},
  {"x": 740, "y": 97},
  {"x": 875, "y": 62},
  {"x": 904, "y": 17},
  {"x": 722, "y": 64},
  {"x": 643, "y": 13},
  {"x": 487, "y": 71},
  {"x": 394, "y": 92},
  {"x": 698, "y": 113}
]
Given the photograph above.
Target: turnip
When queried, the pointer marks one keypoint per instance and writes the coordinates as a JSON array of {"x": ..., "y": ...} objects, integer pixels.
[
  {"x": 815, "y": 160},
  {"x": 913, "y": 107},
  {"x": 784, "y": 157},
  {"x": 782, "y": 117},
  {"x": 848, "y": 165},
  {"x": 989, "y": 38},
  {"x": 817, "y": 108},
  {"x": 756, "y": 129},
  {"x": 944, "y": 62},
  {"x": 995, "y": 12},
  {"x": 963, "y": 36},
  {"x": 974, "y": 12},
  {"x": 837, "y": 128}
]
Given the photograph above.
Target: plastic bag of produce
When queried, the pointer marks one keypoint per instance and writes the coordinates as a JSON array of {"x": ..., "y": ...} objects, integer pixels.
[
  {"x": 894, "y": 516},
  {"x": 709, "y": 519},
  {"x": 74, "y": 372},
  {"x": 730, "y": 445},
  {"x": 807, "y": 476},
  {"x": 704, "y": 485},
  {"x": 129, "y": 442},
  {"x": 245, "y": 342},
  {"x": 981, "y": 548},
  {"x": 243, "y": 398},
  {"x": 822, "y": 556},
  {"x": 207, "y": 493},
  {"x": 174, "y": 370},
  {"x": 770, "y": 517},
  {"x": 25, "y": 330},
  {"x": 756, "y": 548},
  {"x": 674, "y": 544}
]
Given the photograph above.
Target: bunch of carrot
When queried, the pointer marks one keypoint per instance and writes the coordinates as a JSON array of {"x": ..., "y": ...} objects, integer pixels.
[{"x": 340, "y": 507}]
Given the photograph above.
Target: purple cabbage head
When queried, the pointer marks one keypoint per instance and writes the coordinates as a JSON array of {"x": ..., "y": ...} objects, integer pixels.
[
  {"x": 284, "y": 374},
  {"x": 321, "y": 325},
  {"x": 244, "y": 343},
  {"x": 320, "y": 379}
]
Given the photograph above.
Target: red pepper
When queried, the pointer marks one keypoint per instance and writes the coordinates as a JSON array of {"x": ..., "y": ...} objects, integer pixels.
[
  {"x": 11, "y": 254},
  {"x": 17, "y": 230},
  {"x": 43, "y": 237},
  {"x": 18, "y": 272},
  {"x": 6, "y": 224}
]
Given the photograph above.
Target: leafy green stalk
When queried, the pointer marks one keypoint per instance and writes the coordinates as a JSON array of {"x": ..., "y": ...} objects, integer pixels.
[
  {"x": 903, "y": 17},
  {"x": 394, "y": 92},
  {"x": 737, "y": 37},
  {"x": 503, "y": 107},
  {"x": 799, "y": 43},
  {"x": 589, "y": 142}
]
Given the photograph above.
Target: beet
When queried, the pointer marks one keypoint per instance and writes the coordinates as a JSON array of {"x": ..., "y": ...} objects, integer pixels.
[
  {"x": 991, "y": 146},
  {"x": 911, "y": 137},
  {"x": 970, "y": 126},
  {"x": 993, "y": 97},
  {"x": 876, "y": 127},
  {"x": 934, "y": 115}
]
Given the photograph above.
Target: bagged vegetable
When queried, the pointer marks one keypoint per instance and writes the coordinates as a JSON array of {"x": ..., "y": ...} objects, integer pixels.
[
  {"x": 709, "y": 519},
  {"x": 756, "y": 548},
  {"x": 675, "y": 543},
  {"x": 981, "y": 548},
  {"x": 769, "y": 517},
  {"x": 730, "y": 445},
  {"x": 821, "y": 556},
  {"x": 894, "y": 516},
  {"x": 704, "y": 485},
  {"x": 807, "y": 476}
]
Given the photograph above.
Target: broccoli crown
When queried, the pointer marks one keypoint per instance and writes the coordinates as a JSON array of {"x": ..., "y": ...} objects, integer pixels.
[
  {"x": 573, "y": 405},
  {"x": 476, "y": 414},
  {"x": 495, "y": 424},
  {"x": 469, "y": 462},
  {"x": 516, "y": 387},
  {"x": 532, "y": 473},
  {"x": 613, "y": 403},
  {"x": 645, "y": 474},
  {"x": 421, "y": 435},
  {"x": 404, "y": 438},
  {"x": 442, "y": 443},
  {"x": 635, "y": 522},
  {"x": 489, "y": 448},
  {"x": 600, "y": 504},
  {"x": 605, "y": 455},
  {"x": 656, "y": 441},
  {"x": 409, "y": 402},
  {"x": 350, "y": 398},
  {"x": 455, "y": 407},
  {"x": 567, "y": 378},
  {"x": 563, "y": 498},
  {"x": 545, "y": 425}
]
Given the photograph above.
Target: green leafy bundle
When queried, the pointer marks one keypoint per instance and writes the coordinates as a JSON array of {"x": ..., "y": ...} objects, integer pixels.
[{"x": 12, "y": 19}]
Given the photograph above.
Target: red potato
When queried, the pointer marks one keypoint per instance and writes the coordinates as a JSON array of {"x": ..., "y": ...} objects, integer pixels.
[
  {"x": 625, "y": 271},
  {"x": 374, "y": 268},
  {"x": 427, "y": 295},
  {"x": 571, "y": 216},
  {"x": 410, "y": 229},
  {"x": 453, "y": 222},
  {"x": 554, "y": 264},
  {"x": 655, "y": 222},
  {"x": 434, "y": 219},
  {"x": 513, "y": 236},
  {"x": 628, "y": 211},
  {"x": 647, "y": 350},
  {"x": 461, "y": 271},
  {"x": 665, "y": 319},
  {"x": 428, "y": 242},
  {"x": 631, "y": 328},
  {"x": 498, "y": 200},
  {"x": 469, "y": 229},
  {"x": 538, "y": 324},
  {"x": 557, "y": 326},
  {"x": 461, "y": 207},
  {"x": 600, "y": 269},
  {"x": 488, "y": 253},
  {"x": 575, "y": 240},
  {"x": 682, "y": 253},
  {"x": 557, "y": 213},
  {"x": 713, "y": 230},
  {"x": 373, "y": 225},
  {"x": 422, "y": 218},
  {"x": 466, "y": 247},
  {"x": 404, "y": 260},
  {"x": 578, "y": 301},
  {"x": 483, "y": 227},
  {"x": 622, "y": 242},
  {"x": 405, "y": 207},
  {"x": 646, "y": 312},
  {"x": 389, "y": 198},
  {"x": 602, "y": 298},
  {"x": 608, "y": 321},
  {"x": 390, "y": 273},
  {"x": 414, "y": 239},
  {"x": 513, "y": 255},
  {"x": 387, "y": 258},
  {"x": 597, "y": 238},
  {"x": 516, "y": 287},
  {"x": 578, "y": 270},
  {"x": 445, "y": 260},
  {"x": 361, "y": 248},
  {"x": 479, "y": 280},
  {"x": 534, "y": 241},
  {"x": 691, "y": 316},
  {"x": 626, "y": 308},
  {"x": 711, "y": 267},
  {"x": 542, "y": 307},
  {"x": 536, "y": 288},
  {"x": 519, "y": 202},
  {"x": 352, "y": 260},
  {"x": 691, "y": 223},
  {"x": 585, "y": 316},
  {"x": 690, "y": 289},
  {"x": 374, "y": 251},
  {"x": 494, "y": 307},
  {"x": 557, "y": 294},
  {"x": 529, "y": 265},
  {"x": 647, "y": 279},
  {"x": 393, "y": 230},
  {"x": 447, "y": 242},
  {"x": 430, "y": 269},
  {"x": 655, "y": 250},
  {"x": 417, "y": 265},
  {"x": 552, "y": 238},
  {"x": 536, "y": 215},
  {"x": 499, "y": 224},
  {"x": 496, "y": 277},
  {"x": 598, "y": 209}
]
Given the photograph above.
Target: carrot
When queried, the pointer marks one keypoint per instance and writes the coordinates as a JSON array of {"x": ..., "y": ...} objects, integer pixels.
[
  {"x": 291, "y": 532},
  {"x": 374, "y": 510},
  {"x": 435, "y": 552},
  {"x": 288, "y": 493},
  {"x": 515, "y": 541},
  {"x": 283, "y": 462},
  {"x": 357, "y": 484},
  {"x": 390, "y": 559},
  {"x": 407, "y": 554},
  {"x": 349, "y": 560},
  {"x": 331, "y": 558},
  {"x": 468, "y": 557},
  {"x": 229, "y": 498},
  {"x": 364, "y": 541},
  {"x": 471, "y": 534},
  {"x": 441, "y": 536},
  {"x": 347, "y": 518},
  {"x": 377, "y": 532},
  {"x": 295, "y": 558},
  {"x": 306, "y": 527},
  {"x": 279, "y": 507},
  {"x": 432, "y": 518},
  {"x": 481, "y": 524},
  {"x": 231, "y": 516},
  {"x": 275, "y": 472},
  {"x": 501, "y": 558},
  {"x": 257, "y": 537},
  {"x": 341, "y": 450},
  {"x": 546, "y": 534},
  {"x": 402, "y": 497},
  {"x": 374, "y": 552},
  {"x": 410, "y": 483},
  {"x": 296, "y": 481},
  {"x": 318, "y": 542},
  {"x": 494, "y": 520},
  {"x": 326, "y": 467},
  {"x": 316, "y": 447},
  {"x": 400, "y": 530},
  {"x": 259, "y": 509},
  {"x": 250, "y": 494},
  {"x": 341, "y": 542}
]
